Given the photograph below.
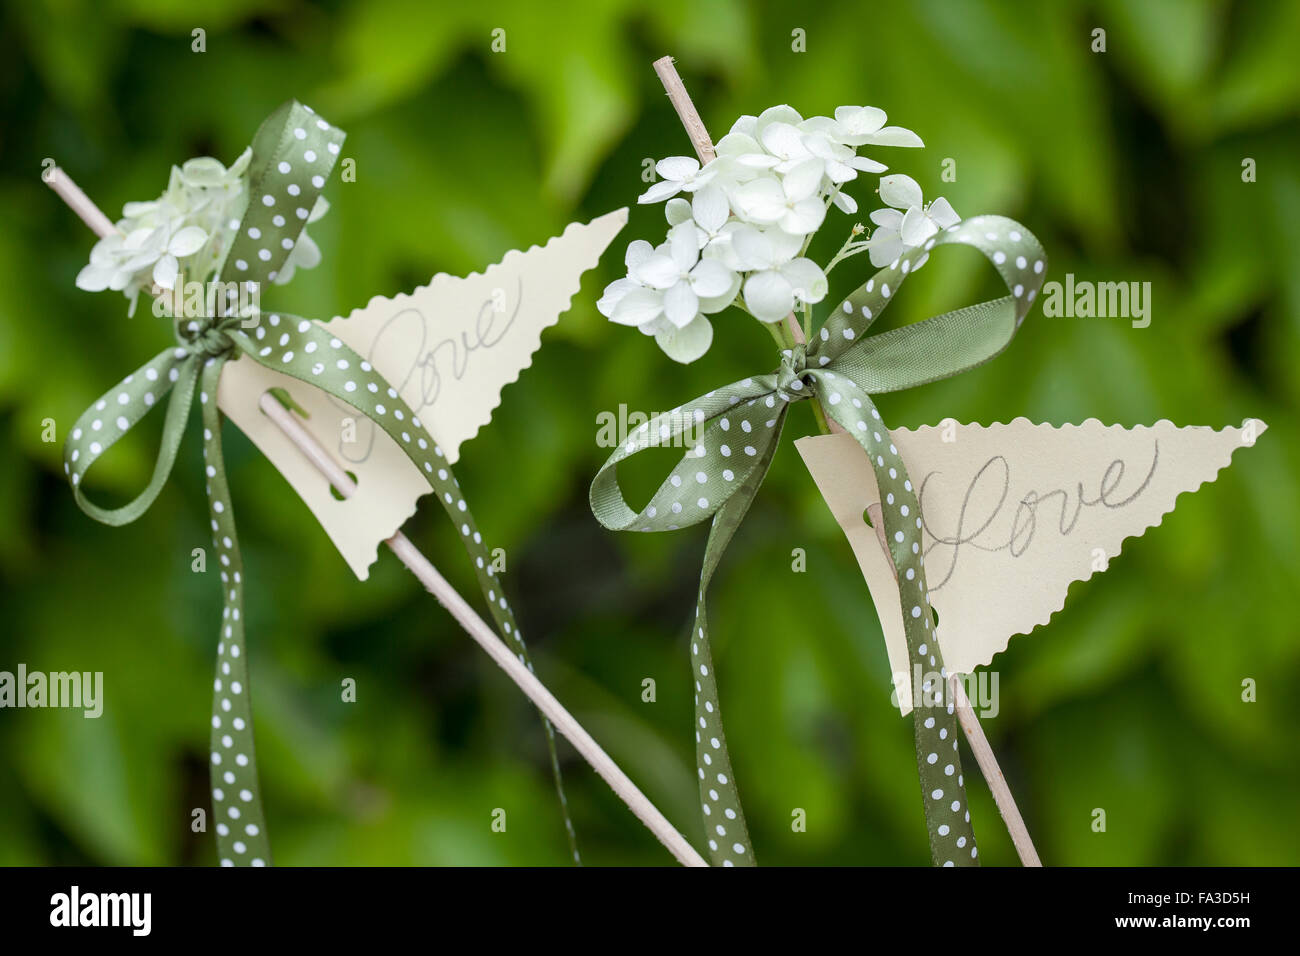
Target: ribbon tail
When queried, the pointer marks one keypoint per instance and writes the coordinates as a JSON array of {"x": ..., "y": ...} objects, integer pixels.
[
  {"x": 731, "y": 435},
  {"x": 236, "y": 791},
  {"x": 724, "y": 818},
  {"x": 934, "y": 725},
  {"x": 352, "y": 380}
]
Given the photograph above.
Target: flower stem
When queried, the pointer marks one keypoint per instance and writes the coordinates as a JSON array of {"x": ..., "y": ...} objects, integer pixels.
[
  {"x": 776, "y": 329},
  {"x": 787, "y": 337},
  {"x": 850, "y": 247},
  {"x": 819, "y": 413}
]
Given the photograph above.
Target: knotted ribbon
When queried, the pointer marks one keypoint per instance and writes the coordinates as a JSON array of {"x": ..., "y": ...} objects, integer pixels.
[
  {"x": 739, "y": 428},
  {"x": 293, "y": 154}
]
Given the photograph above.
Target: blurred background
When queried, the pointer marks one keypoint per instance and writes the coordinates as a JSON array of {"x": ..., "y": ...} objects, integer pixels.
[{"x": 1127, "y": 164}]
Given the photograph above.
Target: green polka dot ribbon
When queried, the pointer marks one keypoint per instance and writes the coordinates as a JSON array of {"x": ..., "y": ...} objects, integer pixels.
[
  {"x": 293, "y": 154},
  {"x": 739, "y": 427}
]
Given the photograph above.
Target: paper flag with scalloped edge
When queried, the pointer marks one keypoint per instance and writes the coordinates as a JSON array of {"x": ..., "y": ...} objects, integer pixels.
[
  {"x": 1012, "y": 515},
  {"x": 448, "y": 349}
]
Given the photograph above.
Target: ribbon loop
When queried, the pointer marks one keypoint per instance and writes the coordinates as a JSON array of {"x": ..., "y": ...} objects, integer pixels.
[
  {"x": 944, "y": 345},
  {"x": 726, "y": 433},
  {"x": 842, "y": 367},
  {"x": 118, "y": 411},
  {"x": 292, "y": 155}
]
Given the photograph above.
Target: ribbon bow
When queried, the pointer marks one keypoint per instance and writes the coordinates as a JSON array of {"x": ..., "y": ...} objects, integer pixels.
[
  {"x": 293, "y": 154},
  {"x": 738, "y": 428}
]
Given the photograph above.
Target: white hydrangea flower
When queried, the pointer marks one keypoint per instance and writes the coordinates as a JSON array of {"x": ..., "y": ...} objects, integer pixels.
[
  {"x": 743, "y": 220},
  {"x": 638, "y": 250},
  {"x": 785, "y": 143},
  {"x": 790, "y": 202},
  {"x": 743, "y": 156},
  {"x": 189, "y": 228},
  {"x": 865, "y": 125},
  {"x": 721, "y": 247},
  {"x": 776, "y": 278},
  {"x": 754, "y": 126},
  {"x": 154, "y": 237},
  {"x": 690, "y": 285},
  {"x": 886, "y": 243},
  {"x": 668, "y": 292},
  {"x": 841, "y": 163},
  {"x": 680, "y": 174},
  {"x": 739, "y": 159},
  {"x": 170, "y": 247},
  {"x": 148, "y": 246},
  {"x": 909, "y": 223},
  {"x": 708, "y": 210},
  {"x": 687, "y": 343}
]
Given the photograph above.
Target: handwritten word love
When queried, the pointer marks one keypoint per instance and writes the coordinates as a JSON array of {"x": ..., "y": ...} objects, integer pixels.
[{"x": 988, "y": 522}]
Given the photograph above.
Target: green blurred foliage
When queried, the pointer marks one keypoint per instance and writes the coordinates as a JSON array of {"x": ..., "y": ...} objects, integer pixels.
[{"x": 1126, "y": 164}]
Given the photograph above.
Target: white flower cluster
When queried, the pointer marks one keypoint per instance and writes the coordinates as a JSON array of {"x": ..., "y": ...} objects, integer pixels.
[
  {"x": 189, "y": 227},
  {"x": 746, "y": 224},
  {"x": 909, "y": 223}
]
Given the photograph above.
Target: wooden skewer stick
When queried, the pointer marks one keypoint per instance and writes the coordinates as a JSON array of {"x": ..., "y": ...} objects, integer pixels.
[
  {"x": 486, "y": 638},
  {"x": 966, "y": 716},
  {"x": 678, "y": 96},
  {"x": 436, "y": 585},
  {"x": 79, "y": 202},
  {"x": 984, "y": 756}
]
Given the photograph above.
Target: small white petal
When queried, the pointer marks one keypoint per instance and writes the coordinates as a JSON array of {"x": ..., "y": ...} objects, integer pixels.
[
  {"x": 943, "y": 214},
  {"x": 710, "y": 208},
  {"x": 894, "y": 136},
  {"x": 884, "y": 247},
  {"x": 164, "y": 271},
  {"x": 678, "y": 168},
  {"x": 638, "y": 251},
  {"x": 686, "y": 344},
  {"x": 806, "y": 278},
  {"x": 681, "y": 304},
  {"x": 769, "y": 295},
  {"x": 900, "y": 191},
  {"x": 659, "y": 272},
  {"x": 660, "y": 191},
  {"x": 95, "y": 278},
  {"x": 187, "y": 242},
  {"x": 711, "y": 278},
  {"x": 917, "y": 227},
  {"x": 614, "y": 293},
  {"x": 638, "y": 307}
]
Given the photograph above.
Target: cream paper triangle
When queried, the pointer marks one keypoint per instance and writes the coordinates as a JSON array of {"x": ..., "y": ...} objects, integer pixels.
[
  {"x": 1013, "y": 515},
  {"x": 448, "y": 349}
]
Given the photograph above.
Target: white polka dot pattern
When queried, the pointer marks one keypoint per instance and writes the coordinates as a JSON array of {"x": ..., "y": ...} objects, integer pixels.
[
  {"x": 285, "y": 185},
  {"x": 741, "y": 425},
  {"x": 303, "y": 352},
  {"x": 293, "y": 153},
  {"x": 236, "y": 793}
]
